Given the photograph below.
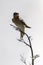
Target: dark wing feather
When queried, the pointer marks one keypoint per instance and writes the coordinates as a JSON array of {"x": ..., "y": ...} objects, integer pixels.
[{"x": 25, "y": 24}]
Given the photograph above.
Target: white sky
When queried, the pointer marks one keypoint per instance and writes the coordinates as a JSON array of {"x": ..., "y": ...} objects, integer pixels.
[{"x": 10, "y": 49}]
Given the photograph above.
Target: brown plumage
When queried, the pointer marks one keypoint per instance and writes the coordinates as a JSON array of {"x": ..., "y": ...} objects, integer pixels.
[{"x": 19, "y": 23}]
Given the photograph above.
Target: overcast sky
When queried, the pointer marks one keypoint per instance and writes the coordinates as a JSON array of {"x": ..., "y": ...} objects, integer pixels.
[{"x": 10, "y": 49}]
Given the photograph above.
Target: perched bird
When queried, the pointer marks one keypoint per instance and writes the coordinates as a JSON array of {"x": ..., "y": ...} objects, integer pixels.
[{"x": 19, "y": 23}]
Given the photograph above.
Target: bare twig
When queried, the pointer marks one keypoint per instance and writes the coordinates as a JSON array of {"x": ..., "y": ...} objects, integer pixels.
[
  {"x": 35, "y": 57},
  {"x": 23, "y": 59},
  {"x": 26, "y": 43},
  {"x": 23, "y": 42}
]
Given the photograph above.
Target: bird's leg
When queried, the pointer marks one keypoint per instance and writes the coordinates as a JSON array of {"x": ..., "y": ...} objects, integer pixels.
[{"x": 21, "y": 35}]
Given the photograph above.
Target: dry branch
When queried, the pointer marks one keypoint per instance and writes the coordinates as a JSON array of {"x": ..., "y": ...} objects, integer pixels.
[{"x": 29, "y": 45}]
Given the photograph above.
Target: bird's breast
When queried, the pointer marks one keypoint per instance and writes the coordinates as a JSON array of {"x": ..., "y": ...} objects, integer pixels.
[{"x": 19, "y": 24}]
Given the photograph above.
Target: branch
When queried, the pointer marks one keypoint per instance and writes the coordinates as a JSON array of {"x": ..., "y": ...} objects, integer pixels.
[
  {"x": 14, "y": 27},
  {"x": 36, "y": 56},
  {"x": 23, "y": 42},
  {"x": 23, "y": 59}
]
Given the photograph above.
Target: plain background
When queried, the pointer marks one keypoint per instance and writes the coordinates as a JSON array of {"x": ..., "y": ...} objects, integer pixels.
[{"x": 10, "y": 48}]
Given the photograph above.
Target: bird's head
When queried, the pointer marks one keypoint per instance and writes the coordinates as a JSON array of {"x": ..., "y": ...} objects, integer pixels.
[{"x": 16, "y": 15}]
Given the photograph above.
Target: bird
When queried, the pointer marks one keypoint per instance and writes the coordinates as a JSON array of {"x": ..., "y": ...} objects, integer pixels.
[{"x": 19, "y": 23}]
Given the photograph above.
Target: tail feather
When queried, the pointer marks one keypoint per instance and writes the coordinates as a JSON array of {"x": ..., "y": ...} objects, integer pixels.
[{"x": 28, "y": 26}]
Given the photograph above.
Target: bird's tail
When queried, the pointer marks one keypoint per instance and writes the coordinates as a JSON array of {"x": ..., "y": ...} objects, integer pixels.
[{"x": 27, "y": 26}]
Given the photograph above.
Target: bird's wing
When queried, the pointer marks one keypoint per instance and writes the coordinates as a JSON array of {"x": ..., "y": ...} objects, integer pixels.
[
  {"x": 22, "y": 22},
  {"x": 25, "y": 24}
]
